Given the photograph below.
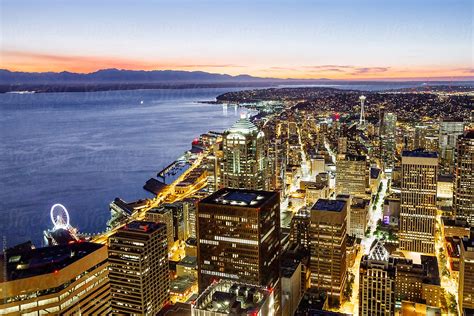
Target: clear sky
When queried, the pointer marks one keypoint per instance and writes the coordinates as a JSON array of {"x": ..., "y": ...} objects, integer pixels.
[{"x": 348, "y": 39}]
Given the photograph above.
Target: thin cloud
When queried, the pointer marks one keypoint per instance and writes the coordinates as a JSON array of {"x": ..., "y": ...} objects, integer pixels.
[{"x": 36, "y": 61}]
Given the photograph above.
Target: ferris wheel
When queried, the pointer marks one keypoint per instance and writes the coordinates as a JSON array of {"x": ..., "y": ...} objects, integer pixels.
[{"x": 59, "y": 216}]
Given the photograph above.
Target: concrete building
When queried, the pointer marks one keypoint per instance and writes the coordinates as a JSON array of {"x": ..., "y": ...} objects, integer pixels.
[
  {"x": 466, "y": 274},
  {"x": 67, "y": 280},
  {"x": 449, "y": 130},
  {"x": 328, "y": 247},
  {"x": 418, "y": 201},
  {"x": 139, "y": 272},
  {"x": 290, "y": 286},
  {"x": 418, "y": 282},
  {"x": 377, "y": 282},
  {"x": 352, "y": 176},
  {"x": 388, "y": 140},
  {"x": 239, "y": 239},
  {"x": 358, "y": 217},
  {"x": 243, "y": 164},
  {"x": 163, "y": 215},
  {"x": 300, "y": 228},
  {"x": 464, "y": 177}
]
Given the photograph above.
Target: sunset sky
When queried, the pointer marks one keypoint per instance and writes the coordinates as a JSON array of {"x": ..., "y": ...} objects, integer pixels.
[{"x": 299, "y": 39}]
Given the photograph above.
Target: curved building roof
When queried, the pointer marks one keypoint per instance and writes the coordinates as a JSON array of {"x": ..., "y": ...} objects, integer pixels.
[{"x": 243, "y": 126}]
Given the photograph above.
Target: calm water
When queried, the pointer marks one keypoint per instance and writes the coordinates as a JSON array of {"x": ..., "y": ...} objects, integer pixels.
[{"x": 85, "y": 149}]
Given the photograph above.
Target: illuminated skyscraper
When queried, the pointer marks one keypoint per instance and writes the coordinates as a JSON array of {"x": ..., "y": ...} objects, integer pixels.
[
  {"x": 352, "y": 174},
  {"x": 243, "y": 164},
  {"x": 466, "y": 274},
  {"x": 239, "y": 238},
  {"x": 328, "y": 247},
  {"x": 464, "y": 177},
  {"x": 139, "y": 272},
  {"x": 377, "y": 282},
  {"x": 67, "y": 279},
  {"x": 418, "y": 201},
  {"x": 449, "y": 131},
  {"x": 388, "y": 140},
  {"x": 362, "y": 112}
]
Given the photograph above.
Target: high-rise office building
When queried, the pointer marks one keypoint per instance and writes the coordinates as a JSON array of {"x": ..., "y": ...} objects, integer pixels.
[
  {"x": 352, "y": 175},
  {"x": 328, "y": 247},
  {"x": 163, "y": 215},
  {"x": 418, "y": 201},
  {"x": 61, "y": 280},
  {"x": 139, "y": 272},
  {"x": 418, "y": 282},
  {"x": 299, "y": 228},
  {"x": 388, "y": 140},
  {"x": 466, "y": 274},
  {"x": 449, "y": 131},
  {"x": 243, "y": 164},
  {"x": 189, "y": 210},
  {"x": 377, "y": 282},
  {"x": 359, "y": 211},
  {"x": 464, "y": 177},
  {"x": 239, "y": 238}
]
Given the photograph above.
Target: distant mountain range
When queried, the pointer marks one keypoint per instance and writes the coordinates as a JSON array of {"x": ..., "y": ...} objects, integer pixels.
[{"x": 123, "y": 76}]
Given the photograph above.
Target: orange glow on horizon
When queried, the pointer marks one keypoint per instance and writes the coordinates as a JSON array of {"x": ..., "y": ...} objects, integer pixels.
[{"x": 41, "y": 62}]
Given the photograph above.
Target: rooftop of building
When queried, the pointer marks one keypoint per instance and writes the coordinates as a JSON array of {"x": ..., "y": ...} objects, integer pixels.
[
  {"x": 468, "y": 243},
  {"x": 360, "y": 203},
  {"x": 375, "y": 173},
  {"x": 239, "y": 197},
  {"x": 288, "y": 266},
  {"x": 188, "y": 261},
  {"x": 233, "y": 298},
  {"x": 177, "y": 309},
  {"x": 453, "y": 246},
  {"x": 24, "y": 262},
  {"x": 419, "y": 153},
  {"x": 455, "y": 222},
  {"x": 329, "y": 205},
  {"x": 468, "y": 134},
  {"x": 181, "y": 284},
  {"x": 445, "y": 178},
  {"x": 142, "y": 226},
  {"x": 244, "y": 126},
  {"x": 353, "y": 157}
]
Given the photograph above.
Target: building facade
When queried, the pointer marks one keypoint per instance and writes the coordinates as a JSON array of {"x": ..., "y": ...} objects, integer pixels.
[
  {"x": 352, "y": 176},
  {"x": 62, "y": 280},
  {"x": 328, "y": 247},
  {"x": 466, "y": 274},
  {"x": 139, "y": 272},
  {"x": 377, "y": 282},
  {"x": 239, "y": 238},
  {"x": 243, "y": 164},
  {"x": 418, "y": 201},
  {"x": 388, "y": 140},
  {"x": 449, "y": 131},
  {"x": 463, "y": 199}
]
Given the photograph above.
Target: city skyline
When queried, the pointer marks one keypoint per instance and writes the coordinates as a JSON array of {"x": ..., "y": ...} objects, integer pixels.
[{"x": 343, "y": 40}]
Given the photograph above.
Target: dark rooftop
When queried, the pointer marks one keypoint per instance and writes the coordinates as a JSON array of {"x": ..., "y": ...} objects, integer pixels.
[
  {"x": 329, "y": 205},
  {"x": 24, "y": 262},
  {"x": 142, "y": 226},
  {"x": 419, "y": 153},
  {"x": 374, "y": 173},
  {"x": 351, "y": 157},
  {"x": 239, "y": 197}
]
